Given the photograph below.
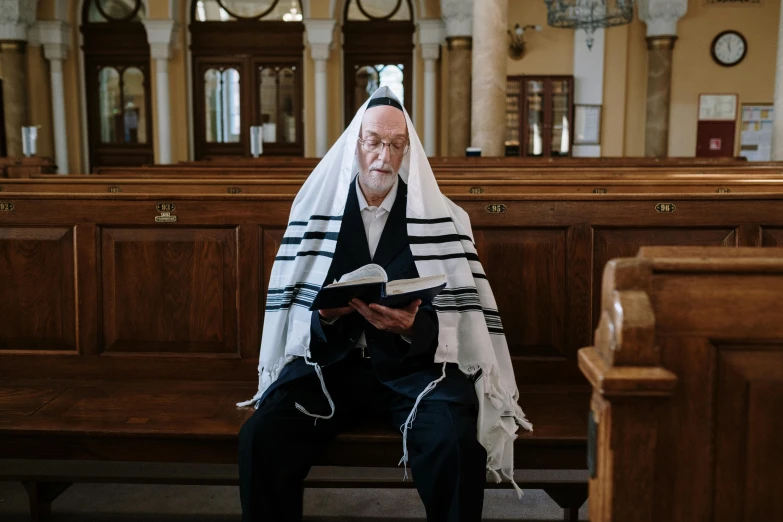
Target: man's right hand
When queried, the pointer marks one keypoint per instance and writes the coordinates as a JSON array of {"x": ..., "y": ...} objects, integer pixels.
[{"x": 333, "y": 313}]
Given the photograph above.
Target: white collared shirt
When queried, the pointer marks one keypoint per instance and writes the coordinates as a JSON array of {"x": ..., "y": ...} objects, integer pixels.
[{"x": 375, "y": 218}]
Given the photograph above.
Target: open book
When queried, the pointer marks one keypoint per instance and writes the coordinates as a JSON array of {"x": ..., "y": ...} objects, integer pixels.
[{"x": 371, "y": 284}]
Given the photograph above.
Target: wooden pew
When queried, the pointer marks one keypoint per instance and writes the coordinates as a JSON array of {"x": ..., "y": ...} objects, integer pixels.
[
  {"x": 687, "y": 372},
  {"x": 451, "y": 186},
  {"x": 587, "y": 170},
  {"x": 112, "y": 320}
]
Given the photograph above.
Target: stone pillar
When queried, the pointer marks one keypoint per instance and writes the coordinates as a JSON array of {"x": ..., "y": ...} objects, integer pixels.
[
  {"x": 319, "y": 37},
  {"x": 430, "y": 37},
  {"x": 661, "y": 18},
  {"x": 159, "y": 36},
  {"x": 777, "y": 112},
  {"x": 55, "y": 38},
  {"x": 458, "y": 17},
  {"x": 490, "y": 47},
  {"x": 16, "y": 16}
]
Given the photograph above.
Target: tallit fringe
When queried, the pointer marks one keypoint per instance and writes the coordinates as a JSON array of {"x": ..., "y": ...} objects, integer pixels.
[
  {"x": 266, "y": 376},
  {"x": 323, "y": 387},
  {"x": 411, "y": 417}
]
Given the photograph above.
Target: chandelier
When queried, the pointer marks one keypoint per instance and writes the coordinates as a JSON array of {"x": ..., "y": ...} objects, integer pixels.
[
  {"x": 293, "y": 15},
  {"x": 588, "y": 14}
]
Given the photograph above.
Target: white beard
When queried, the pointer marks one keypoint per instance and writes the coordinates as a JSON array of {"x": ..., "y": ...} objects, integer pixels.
[{"x": 378, "y": 182}]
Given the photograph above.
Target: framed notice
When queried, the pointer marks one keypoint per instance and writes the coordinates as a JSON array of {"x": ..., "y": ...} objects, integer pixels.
[
  {"x": 587, "y": 125},
  {"x": 717, "y": 107},
  {"x": 756, "y": 131}
]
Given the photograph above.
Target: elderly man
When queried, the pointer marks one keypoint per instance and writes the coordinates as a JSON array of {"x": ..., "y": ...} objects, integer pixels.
[{"x": 430, "y": 370}]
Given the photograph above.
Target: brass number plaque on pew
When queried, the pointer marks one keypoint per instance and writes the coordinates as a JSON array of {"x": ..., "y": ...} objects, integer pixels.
[
  {"x": 165, "y": 210},
  {"x": 476, "y": 190},
  {"x": 6, "y": 206},
  {"x": 496, "y": 208},
  {"x": 115, "y": 190},
  {"x": 234, "y": 190},
  {"x": 665, "y": 207}
]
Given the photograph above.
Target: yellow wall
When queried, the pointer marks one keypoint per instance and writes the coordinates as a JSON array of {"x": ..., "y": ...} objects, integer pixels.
[
  {"x": 549, "y": 51},
  {"x": 636, "y": 89},
  {"x": 615, "y": 91},
  {"x": 694, "y": 71}
]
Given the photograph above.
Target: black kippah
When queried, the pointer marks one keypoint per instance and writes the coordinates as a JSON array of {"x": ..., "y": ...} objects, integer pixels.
[{"x": 384, "y": 101}]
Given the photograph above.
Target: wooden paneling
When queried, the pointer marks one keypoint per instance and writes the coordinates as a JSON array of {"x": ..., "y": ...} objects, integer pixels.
[
  {"x": 772, "y": 236},
  {"x": 37, "y": 288},
  {"x": 532, "y": 262},
  {"x": 611, "y": 243},
  {"x": 171, "y": 290},
  {"x": 177, "y": 292},
  {"x": 748, "y": 404}
]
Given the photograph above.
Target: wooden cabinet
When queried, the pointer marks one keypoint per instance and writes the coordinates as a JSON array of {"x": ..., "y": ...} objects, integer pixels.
[{"x": 539, "y": 116}]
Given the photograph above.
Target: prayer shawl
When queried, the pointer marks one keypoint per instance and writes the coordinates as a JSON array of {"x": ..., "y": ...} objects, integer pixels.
[{"x": 441, "y": 241}]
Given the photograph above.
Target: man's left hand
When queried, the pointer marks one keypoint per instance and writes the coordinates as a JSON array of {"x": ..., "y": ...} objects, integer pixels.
[{"x": 394, "y": 320}]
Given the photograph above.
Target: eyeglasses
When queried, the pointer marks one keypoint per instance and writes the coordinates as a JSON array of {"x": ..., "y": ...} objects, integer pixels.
[{"x": 396, "y": 148}]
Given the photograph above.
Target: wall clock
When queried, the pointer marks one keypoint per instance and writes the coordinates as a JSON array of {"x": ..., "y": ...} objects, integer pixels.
[{"x": 729, "y": 48}]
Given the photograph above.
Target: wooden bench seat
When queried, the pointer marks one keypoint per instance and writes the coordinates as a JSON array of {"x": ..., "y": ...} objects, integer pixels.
[{"x": 196, "y": 422}]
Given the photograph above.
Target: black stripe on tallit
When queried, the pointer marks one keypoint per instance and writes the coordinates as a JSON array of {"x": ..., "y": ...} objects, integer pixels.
[
  {"x": 305, "y": 253},
  {"x": 423, "y": 221},
  {"x": 467, "y": 255},
  {"x": 310, "y": 235},
  {"x": 314, "y": 217},
  {"x": 445, "y": 238}
]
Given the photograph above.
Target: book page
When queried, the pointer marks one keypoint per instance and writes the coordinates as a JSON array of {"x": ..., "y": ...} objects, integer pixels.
[
  {"x": 402, "y": 286},
  {"x": 371, "y": 273}
]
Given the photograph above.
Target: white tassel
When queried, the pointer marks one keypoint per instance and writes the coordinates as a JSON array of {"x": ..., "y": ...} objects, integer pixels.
[
  {"x": 513, "y": 483},
  {"x": 411, "y": 417},
  {"x": 323, "y": 387}
]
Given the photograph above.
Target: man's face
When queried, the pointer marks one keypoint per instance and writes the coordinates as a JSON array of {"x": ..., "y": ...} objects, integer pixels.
[{"x": 378, "y": 169}]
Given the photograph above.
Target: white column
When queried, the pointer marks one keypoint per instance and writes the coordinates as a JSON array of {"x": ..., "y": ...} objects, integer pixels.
[
  {"x": 429, "y": 104},
  {"x": 488, "y": 91},
  {"x": 777, "y": 111},
  {"x": 55, "y": 39},
  {"x": 320, "y": 55},
  {"x": 159, "y": 36},
  {"x": 588, "y": 81},
  {"x": 458, "y": 18},
  {"x": 661, "y": 18},
  {"x": 319, "y": 37},
  {"x": 430, "y": 37}
]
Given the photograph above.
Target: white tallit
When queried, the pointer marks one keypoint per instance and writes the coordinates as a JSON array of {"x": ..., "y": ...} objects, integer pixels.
[{"x": 441, "y": 241}]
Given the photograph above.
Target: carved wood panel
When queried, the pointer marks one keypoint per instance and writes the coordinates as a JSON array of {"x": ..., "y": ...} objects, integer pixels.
[
  {"x": 748, "y": 445},
  {"x": 611, "y": 243},
  {"x": 527, "y": 271},
  {"x": 37, "y": 288},
  {"x": 771, "y": 236},
  {"x": 171, "y": 290}
]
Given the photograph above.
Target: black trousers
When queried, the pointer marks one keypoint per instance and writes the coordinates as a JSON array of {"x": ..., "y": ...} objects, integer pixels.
[{"x": 278, "y": 444}]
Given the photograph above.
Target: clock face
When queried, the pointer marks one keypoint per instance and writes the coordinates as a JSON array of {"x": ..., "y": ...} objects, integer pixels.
[{"x": 729, "y": 48}]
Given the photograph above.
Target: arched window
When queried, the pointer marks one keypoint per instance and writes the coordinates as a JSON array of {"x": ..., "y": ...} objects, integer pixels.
[
  {"x": 117, "y": 58},
  {"x": 247, "y": 63},
  {"x": 371, "y": 62}
]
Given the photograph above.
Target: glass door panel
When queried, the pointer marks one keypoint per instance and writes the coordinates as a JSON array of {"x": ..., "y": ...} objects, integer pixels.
[
  {"x": 513, "y": 88},
  {"x": 561, "y": 124},
  {"x": 535, "y": 117}
]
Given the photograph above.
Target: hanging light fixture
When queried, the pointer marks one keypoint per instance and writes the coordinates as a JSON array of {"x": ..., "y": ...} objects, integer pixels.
[
  {"x": 293, "y": 15},
  {"x": 588, "y": 14}
]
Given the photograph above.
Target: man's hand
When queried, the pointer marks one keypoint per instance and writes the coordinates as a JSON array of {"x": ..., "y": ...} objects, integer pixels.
[
  {"x": 333, "y": 313},
  {"x": 394, "y": 320}
]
